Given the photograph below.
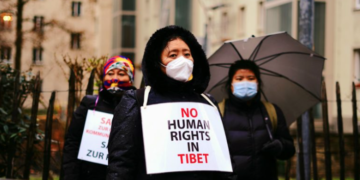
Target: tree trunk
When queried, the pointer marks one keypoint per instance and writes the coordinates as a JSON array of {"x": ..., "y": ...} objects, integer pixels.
[
  {"x": 48, "y": 135},
  {"x": 19, "y": 35},
  {"x": 14, "y": 117},
  {"x": 90, "y": 86},
  {"x": 32, "y": 128}
]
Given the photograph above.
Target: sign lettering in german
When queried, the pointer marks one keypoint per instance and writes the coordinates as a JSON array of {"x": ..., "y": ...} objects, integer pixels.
[{"x": 93, "y": 147}]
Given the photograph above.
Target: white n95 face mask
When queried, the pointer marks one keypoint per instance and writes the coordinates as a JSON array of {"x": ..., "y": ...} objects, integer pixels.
[{"x": 180, "y": 69}]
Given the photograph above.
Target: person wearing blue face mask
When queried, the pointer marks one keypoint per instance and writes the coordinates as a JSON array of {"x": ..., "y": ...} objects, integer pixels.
[
  {"x": 244, "y": 90},
  {"x": 255, "y": 142}
]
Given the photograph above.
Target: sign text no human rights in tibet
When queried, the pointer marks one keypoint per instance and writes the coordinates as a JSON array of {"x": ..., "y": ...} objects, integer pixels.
[{"x": 184, "y": 136}]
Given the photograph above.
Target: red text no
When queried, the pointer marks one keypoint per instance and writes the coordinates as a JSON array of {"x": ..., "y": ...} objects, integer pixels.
[{"x": 186, "y": 112}]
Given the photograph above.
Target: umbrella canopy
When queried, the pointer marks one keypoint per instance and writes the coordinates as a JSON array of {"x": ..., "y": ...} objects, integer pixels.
[{"x": 291, "y": 72}]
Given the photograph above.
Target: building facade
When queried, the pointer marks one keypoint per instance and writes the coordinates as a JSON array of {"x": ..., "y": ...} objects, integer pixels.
[{"x": 54, "y": 30}]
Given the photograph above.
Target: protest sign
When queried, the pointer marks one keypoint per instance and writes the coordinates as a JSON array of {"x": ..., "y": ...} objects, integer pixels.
[
  {"x": 93, "y": 147},
  {"x": 184, "y": 136}
]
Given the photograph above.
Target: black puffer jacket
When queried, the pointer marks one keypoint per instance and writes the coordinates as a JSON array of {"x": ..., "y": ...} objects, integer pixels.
[
  {"x": 126, "y": 150},
  {"x": 247, "y": 134},
  {"x": 75, "y": 169}
]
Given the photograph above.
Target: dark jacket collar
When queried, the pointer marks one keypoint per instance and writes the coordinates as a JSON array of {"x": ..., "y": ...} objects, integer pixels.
[
  {"x": 254, "y": 103},
  {"x": 170, "y": 86},
  {"x": 110, "y": 98}
]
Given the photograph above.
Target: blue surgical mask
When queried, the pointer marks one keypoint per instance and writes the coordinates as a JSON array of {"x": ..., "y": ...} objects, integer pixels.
[{"x": 245, "y": 90}]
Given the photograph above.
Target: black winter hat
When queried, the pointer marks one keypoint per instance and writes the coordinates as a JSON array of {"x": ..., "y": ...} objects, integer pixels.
[{"x": 151, "y": 67}]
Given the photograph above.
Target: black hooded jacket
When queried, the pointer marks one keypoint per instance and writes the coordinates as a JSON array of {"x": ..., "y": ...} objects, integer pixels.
[
  {"x": 126, "y": 150},
  {"x": 247, "y": 135},
  {"x": 75, "y": 169}
]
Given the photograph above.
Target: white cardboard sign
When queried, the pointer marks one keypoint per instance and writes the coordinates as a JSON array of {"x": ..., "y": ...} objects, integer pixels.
[
  {"x": 93, "y": 147},
  {"x": 184, "y": 136}
]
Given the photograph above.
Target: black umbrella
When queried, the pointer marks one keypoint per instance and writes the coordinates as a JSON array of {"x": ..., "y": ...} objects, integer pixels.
[{"x": 291, "y": 72}]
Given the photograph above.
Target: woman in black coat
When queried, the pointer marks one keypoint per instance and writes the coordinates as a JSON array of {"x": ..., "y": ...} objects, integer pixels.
[
  {"x": 117, "y": 77},
  {"x": 176, "y": 68},
  {"x": 254, "y": 153}
]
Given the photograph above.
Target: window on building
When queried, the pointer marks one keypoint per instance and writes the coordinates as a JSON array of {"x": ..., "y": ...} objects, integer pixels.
[
  {"x": 278, "y": 17},
  {"x": 242, "y": 21},
  {"x": 5, "y": 21},
  {"x": 5, "y": 53},
  {"x": 128, "y": 31},
  {"x": 124, "y": 28},
  {"x": 128, "y": 5},
  {"x": 183, "y": 13},
  {"x": 37, "y": 55},
  {"x": 38, "y": 23},
  {"x": 75, "y": 9},
  {"x": 75, "y": 40}
]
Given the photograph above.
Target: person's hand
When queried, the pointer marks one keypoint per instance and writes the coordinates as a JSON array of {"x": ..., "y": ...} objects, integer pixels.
[{"x": 273, "y": 148}]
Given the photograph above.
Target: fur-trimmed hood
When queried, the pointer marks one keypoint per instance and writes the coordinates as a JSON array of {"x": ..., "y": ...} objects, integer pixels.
[{"x": 151, "y": 67}]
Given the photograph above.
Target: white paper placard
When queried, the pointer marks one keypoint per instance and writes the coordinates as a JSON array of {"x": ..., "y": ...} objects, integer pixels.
[
  {"x": 184, "y": 136},
  {"x": 93, "y": 147}
]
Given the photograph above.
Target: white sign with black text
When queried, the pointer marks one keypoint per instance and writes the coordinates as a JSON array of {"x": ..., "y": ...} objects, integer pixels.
[
  {"x": 184, "y": 136},
  {"x": 93, "y": 147}
]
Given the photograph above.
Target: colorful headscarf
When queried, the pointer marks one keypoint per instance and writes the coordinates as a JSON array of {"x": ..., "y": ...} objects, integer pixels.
[
  {"x": 120, "y": 62},
  {"x": 115, "y": 84}
]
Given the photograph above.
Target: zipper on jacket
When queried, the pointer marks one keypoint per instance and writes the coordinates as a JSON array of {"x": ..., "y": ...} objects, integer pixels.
[
  {"x": 250, "y": 119},
  {"x": 251, "y": 128}
]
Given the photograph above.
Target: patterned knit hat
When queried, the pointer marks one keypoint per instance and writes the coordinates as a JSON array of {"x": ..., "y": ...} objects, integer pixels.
[{"x": 120, "y": 62}]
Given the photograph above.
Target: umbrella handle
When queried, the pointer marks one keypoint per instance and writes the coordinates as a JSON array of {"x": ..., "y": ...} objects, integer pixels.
[{"x": 268, "y": 129}]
